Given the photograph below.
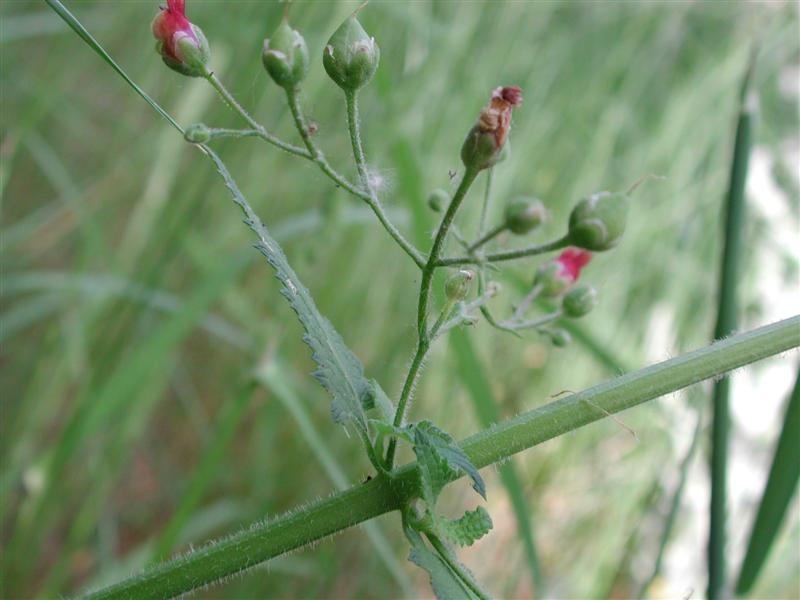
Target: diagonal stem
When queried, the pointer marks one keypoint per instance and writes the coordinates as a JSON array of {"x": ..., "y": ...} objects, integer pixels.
[
  {"x": 423, "y": 337},
  {"x": 354, "y": 127}
]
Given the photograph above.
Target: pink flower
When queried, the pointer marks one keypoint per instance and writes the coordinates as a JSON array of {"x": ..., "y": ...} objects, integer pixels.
[
  {"x": 571, "y": 261},
  {"x": 181, "y": 44}
]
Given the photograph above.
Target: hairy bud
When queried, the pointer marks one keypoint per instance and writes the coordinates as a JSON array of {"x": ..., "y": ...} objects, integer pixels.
[
  {"x": 285, "y": 56},
  {"x": 598, "y": 222},
  {"x": 181, "y": 44},
  {"x": 486, "y": 140},
  {"x": 437, "y": 200},
  {"x": 457, "y": 285},
  {"x": 555, "y": 276},
  {"x": 524, "y": 214},
  {"x": 351, "y": 56},
  {"x": 579, "y": 301}
]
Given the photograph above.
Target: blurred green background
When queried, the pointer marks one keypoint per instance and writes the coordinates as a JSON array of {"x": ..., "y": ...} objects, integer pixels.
[{"x": 135, "y": 311}]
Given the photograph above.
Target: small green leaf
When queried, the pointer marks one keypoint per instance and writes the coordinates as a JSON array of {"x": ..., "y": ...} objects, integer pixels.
[
  {"x": 469, "y": 528},
  {"x": 446, "y": 584},
  {"x": 440, "y": 461}
]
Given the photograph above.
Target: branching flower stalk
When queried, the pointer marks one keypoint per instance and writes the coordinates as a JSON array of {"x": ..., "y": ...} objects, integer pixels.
[{"x": 596, "y": 224}]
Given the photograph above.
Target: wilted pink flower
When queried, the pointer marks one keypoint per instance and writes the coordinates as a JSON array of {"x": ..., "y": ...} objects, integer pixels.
[
  {"x": 486, "y": 139},
  {"x": 571, "y": 261},
  {"x": 181, "y": 44},
  {"x": 495, "y": 118}
]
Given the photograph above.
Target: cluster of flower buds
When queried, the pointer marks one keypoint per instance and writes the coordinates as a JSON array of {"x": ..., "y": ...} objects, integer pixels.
[
  {"x": 485, "y": 142},
  {"x": 181, "y": 44},
  {"x": 524, "y": 214},
  {"x": 350, "y": 57}
]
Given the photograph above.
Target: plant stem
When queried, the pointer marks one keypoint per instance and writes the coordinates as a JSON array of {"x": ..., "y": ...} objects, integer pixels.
[
  {"x": 354, "y": 127},
  {"x": 239, "y": 110},
  {"x": 423, "y": 337},
  {"x": 730, "y": 270},
  {"x": 405, "y": 395},
  {"x": 532, "y": 323},
  {"x": 526, "y": 302},
  {"x": 438, "y": 244},
  {"x": 507, "y": 255},
  {"x": 313, "y": 522},
  {"x": 493, "y": 233}
]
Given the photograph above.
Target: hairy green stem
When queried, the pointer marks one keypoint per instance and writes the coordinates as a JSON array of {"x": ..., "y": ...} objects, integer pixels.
[
  {"x": 239, "y": 110},
  {"x": 318, "y": 520},
  {"x": 507, "y": 255},
  {"x": 354, "y": 127},
  {"x": 438, "y": 243},
  {"x": 423, "y": 336}
]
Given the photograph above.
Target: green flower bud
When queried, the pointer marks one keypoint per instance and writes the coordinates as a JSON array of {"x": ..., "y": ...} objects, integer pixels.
[
  {"x": 524, "y": 214},
  {"x": 438, "y": 200},
  {"x": 197, "y": 134},
  {"x": 285, "y": 57},
  {"x": 351, "y": 56},
  {"x": 457, "y": 285},
  {"x": 579, "y": 301},
  {"x": 598, "y": 222},
  {"x": 559, "y": 337}
]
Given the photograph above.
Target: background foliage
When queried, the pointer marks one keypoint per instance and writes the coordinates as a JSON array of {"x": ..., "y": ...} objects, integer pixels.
[{"x": 135, "y": 309}]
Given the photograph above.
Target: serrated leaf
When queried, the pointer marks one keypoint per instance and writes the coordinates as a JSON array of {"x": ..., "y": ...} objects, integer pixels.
[
  {"x": 440, "y": 461},
  {"x": 338, "y": 369},
  {"x": 469, "y": 528},
  {"x": 446, "y": 584}
]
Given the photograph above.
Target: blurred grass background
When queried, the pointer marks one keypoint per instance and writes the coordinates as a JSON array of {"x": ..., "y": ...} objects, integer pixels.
[{"x": 134, "y": 310}]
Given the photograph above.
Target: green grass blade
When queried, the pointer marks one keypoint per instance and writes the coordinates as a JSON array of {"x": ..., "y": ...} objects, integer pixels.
[
  {"x": 727, "y": 322},
  {"x": 480, "y": 392},
  {"x": 781, "y": 484},
  {"x": 70, "y": 19}
]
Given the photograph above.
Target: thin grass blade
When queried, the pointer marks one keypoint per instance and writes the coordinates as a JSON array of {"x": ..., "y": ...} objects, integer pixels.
[
  {"x": 781, "y": 485},
  {"x": 727, "y": 322}
]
